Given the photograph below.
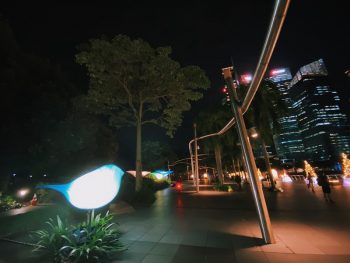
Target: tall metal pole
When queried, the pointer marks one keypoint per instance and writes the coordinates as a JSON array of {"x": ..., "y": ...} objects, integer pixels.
[
  {"x": 264, "y": 218},
  {"x": 196, "y": 157}
]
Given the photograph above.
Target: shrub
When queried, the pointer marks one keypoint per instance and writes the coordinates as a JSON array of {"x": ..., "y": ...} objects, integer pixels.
[
  {"x": 90, "y": 241},
  {"x": 7, "y": 202},
  {"x": 223, "y": 187},
  {"x": 147, "y": 193}
]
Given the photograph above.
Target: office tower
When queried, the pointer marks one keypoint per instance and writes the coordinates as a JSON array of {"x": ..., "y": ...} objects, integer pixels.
[
  {"x": 322, "y": 125},
  {"x": 288, "y": 141}
]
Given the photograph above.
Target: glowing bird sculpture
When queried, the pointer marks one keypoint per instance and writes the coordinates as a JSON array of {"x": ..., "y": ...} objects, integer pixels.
[
  {"x": 92, "y": 190},
  {"x": 161, "y": 174}
]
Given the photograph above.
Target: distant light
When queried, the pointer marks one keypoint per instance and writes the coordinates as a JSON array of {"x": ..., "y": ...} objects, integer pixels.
[
  {"x": 23, "y": 192},
  {"x": 277, "y": 71},
  {"x": 14, "y": 175},
  {"x": 44, "y": 175},
  {"x": 246, "y": 78},
  {"x": 205, "y": 175},
  {"x": 255, "y": 135},
  {"x": 30, "y": 176},
  {"x": 346, "y": 181},
  {"x": 224, "y": 89},
  {"x": 274, "y": 173}
]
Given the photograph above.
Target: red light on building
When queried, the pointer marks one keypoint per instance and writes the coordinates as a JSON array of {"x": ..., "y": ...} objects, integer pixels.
[
  {"x": 246, "y": 78},
  {"x": 277, "y": 71}
]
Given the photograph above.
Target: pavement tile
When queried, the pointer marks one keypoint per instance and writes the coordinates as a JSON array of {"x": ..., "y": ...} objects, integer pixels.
[
  {"x": 335, "y": 250},
  {"x": 164, "y": 249},
  {"x": 130, "y": 257},
  {"x": 189, "y": 254},
  {"x": 251, "y": 257},
  {"x": 306, "y": 258},
  {"x": 156, "y": 259},
  {"x": 194, "y": 238},
  {"x": 141, "y": 246},
  {"x": 219, "y": 240}
]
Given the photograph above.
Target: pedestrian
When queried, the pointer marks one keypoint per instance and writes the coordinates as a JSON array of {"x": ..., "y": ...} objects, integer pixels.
[
  {"x": 34, "y": 200},
  {"x": 326, "y": 188},
  {"x": 310, "y": 183},
  {"x": 238, "y": 180}
]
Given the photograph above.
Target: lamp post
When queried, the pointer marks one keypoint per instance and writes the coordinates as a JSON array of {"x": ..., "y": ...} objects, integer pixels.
[
  {"x": 196, "y": 157},
  {"x": 264, "y": 218},
  {"x": 254, "y": 134}
]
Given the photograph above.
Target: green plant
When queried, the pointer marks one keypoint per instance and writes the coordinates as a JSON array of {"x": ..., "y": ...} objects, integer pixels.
[
  {"x": 223, "y": 187},
  {"x": 53, "y": 238},
  {"x": 89, "y": 241},
  {"x": 8, "y": 202}
]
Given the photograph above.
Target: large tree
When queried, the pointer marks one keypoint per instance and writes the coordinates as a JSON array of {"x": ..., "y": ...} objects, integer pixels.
[
  {"x": 134, "y": 84},
  {"x": 212, "y": 121}
]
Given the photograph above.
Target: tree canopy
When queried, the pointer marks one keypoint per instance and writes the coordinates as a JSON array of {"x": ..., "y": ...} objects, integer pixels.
[
  {"x": 133, "y": 84},
  {"x": 130, "y": 81}
]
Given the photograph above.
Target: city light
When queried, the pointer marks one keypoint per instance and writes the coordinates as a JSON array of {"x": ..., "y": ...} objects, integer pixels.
[
  {"x": 205, "y": 176},
  {"x": 277, "y": 71},
  {"x": 23, "y": 192},
  {"x": 246, "y": 78}
]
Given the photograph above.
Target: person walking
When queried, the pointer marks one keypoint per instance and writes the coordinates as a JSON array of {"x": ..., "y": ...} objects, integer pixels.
[
  {"x": 326, "y": 188},
  {"x": 311, "y": 183}
]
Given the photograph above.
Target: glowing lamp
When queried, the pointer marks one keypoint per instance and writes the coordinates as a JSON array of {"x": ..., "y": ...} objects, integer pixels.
[
  {"x": 205, "y": 176},
  {"x": 92, "y": 190},
  {"x": 277, "y": 71},
  {"x": 274, "y": 173},
  {"x": 246, "y": 78},
  {"x": 23, "y": 192},
  {"x": 346, "y": 181},
  {"x": 286, "y": 179}
]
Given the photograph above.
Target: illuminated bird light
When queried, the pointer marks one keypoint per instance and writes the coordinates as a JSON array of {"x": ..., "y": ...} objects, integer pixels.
[
  {"x": 92, "y": 190},
  {"x": 161, "y": 174}
]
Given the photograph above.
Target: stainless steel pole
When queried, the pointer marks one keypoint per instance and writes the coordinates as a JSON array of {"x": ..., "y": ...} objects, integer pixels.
[
  {"x": 196, "y": 157},
  {"x": 264, "y": 218}
]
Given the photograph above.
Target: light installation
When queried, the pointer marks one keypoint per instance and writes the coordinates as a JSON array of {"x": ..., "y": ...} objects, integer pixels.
[
  {"x": 309, "y": 170},
  {"x": 161, "y": 174},
  {"x": 92, "y": 190},
  {"x": 346, "y": 169}
]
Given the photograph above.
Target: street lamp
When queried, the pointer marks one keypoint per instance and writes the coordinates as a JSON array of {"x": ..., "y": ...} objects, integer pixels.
[{"x": 254, "y": 134}]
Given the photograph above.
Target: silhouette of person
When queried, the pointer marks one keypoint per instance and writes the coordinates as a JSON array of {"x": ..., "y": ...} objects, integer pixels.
[{"x": 326, "y": 188}]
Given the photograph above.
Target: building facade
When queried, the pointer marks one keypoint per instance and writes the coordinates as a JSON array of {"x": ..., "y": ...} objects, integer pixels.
[
  {"x": 288, "y": 141},
  {"x": 322, "y": 125}
]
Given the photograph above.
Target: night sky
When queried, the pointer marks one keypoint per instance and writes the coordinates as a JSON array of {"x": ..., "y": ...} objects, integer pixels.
[{"x": 204, "y": 34}]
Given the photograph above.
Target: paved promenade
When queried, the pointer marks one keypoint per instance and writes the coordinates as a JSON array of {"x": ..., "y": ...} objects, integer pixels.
[
  {"x": 223, "y": 227},
  {"x": 218, "y": 227}
]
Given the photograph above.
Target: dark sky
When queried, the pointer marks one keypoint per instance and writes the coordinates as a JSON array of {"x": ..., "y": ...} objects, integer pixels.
[{"x": 200, "y": 33}]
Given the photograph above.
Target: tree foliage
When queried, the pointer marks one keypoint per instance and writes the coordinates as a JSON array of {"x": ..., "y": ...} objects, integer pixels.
[
  {"x": 133, "y": 84},
  {"x": 130, "y": 81}
]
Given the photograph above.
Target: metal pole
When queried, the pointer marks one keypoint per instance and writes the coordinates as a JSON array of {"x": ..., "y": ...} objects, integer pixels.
[
  {"x": 191, "y": 157},
  {"x": 264, "y": 218},
  {"x": 196, "y": 157}
]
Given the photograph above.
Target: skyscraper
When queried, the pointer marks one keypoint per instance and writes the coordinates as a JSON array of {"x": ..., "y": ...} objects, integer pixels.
[
  {"x": 288, "y": 141},
  {"x": 323, "y": 126}
]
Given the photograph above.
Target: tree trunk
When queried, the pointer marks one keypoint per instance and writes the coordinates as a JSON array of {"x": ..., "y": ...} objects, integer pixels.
[
  {"x": 138, "y": 157},
  {"x": 267, "y": 163},
  {"x": 217, "y": 151}
]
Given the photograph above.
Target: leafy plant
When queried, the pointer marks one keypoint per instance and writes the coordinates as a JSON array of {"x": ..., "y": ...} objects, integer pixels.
[
  {"x": 8, "y": 202},
  {"x": 89, "y": 241},
  {"x": 223, "y": 187}
]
